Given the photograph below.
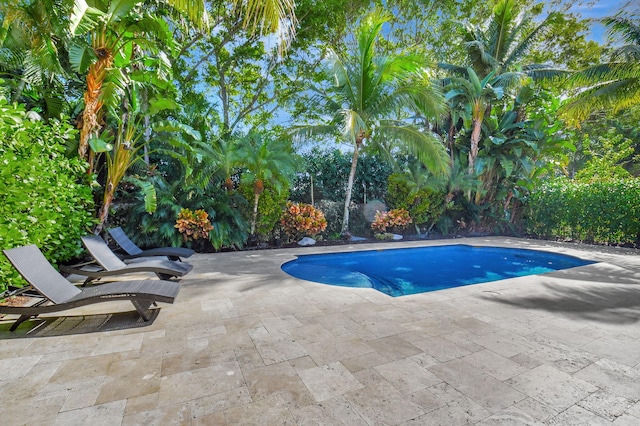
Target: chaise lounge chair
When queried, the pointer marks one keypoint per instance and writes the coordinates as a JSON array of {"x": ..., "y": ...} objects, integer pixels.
[
  {"x": 132, "y": 250},
  {"x": 112, "y": 265},
  {"x": 58, "y": 294}
]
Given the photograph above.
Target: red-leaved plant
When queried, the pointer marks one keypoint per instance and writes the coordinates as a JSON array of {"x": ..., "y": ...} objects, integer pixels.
[
  {"x": 299, "y": 219},
  {"x": 193, "y": 225},
  {"x": 397, "y": 218}
]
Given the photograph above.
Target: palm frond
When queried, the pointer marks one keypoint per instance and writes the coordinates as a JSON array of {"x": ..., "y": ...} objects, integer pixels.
[
  {"x": 427, "y": 147},
  {"x": 623, "y": 28},
  {"x": 525, "y": 45}
]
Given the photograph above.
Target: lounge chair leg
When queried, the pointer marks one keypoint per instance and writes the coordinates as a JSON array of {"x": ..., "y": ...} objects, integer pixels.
[
  {"x": 143, "y": 308},
  {"x": 19, "y": 321}
]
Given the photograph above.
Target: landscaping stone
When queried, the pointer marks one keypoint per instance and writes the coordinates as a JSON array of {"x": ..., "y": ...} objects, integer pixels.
[
  {"x": 397, "y": 237},
  {"x": 306, "y": 241},
  {"x": 356, "y": 239}
]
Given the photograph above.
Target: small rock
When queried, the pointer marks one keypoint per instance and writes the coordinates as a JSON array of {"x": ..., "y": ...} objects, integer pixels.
[
  {"x": 306, "y": 241},
  {"x": 356, "y": 239},
  {"x": 397, "y": 237}
]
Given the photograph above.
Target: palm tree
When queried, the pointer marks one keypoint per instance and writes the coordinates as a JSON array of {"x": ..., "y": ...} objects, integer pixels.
[
  {"x": 477, "y": 95},
  {"x": 500, "y": 45},
  {"x": 368, "y": 91},
  {"x": 269, "y": 163},
  {"x": 614, "y": 85},
  {"x": 113, "y": 30}
]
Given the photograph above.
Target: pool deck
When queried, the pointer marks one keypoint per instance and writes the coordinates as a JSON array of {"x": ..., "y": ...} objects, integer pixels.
[{"x": 245, "y": 343}]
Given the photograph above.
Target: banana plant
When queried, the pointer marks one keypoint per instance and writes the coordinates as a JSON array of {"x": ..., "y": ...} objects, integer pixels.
[
  {"x": 105, "y": 36},
  {"x": 474, "y": 96}
]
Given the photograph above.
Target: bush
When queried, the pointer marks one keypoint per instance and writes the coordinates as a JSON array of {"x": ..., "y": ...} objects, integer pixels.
[
  {"x": 600, "y": 212},
  {"x": 269, "y": 208},
  {"x": 425, "y": 205},
  {"x": 299, "y": 219},
  {"x": 193, "y": 225},
  {"x": 43, "y": 201},
  {"x": 396, "y": 219}
]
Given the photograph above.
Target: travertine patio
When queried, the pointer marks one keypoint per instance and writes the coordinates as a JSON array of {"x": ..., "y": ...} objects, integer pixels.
[{"x": 247, "y": 344}]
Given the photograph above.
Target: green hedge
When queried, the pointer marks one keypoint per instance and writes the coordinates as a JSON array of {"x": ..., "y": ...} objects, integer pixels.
[
  {"x": 605, "y": 212},
  {"x": 43, "y": 202}
]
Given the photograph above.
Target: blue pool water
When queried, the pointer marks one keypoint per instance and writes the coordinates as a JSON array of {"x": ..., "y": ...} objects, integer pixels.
[{"x": 398, "y": 272}]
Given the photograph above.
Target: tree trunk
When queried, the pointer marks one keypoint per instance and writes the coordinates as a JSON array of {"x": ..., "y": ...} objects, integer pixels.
[
  {"x": 254, "y": 218},
  {"x": 475, "y": 141},
  {"x": 103, "y": 213},
  {"x": 347, "y": 198},
  {"x": 92, "y": 103}
]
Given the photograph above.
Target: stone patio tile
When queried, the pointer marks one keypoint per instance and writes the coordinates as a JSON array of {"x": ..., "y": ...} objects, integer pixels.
[
  {"x": 275, "y": 378},
  {"x": 335, "y": 411},
  {"x": 83, "y": 394},
  {"x": 275, "y": 347},
  {"x": 483, "y": 389},
  {"x": 612, "y": 376},
  {"x": 407, "y": 376},
  {"x": 178, "y": 414},
  {"x": 577, "y": 416},
  {"x": 207, "y": 405},
  {"x": 281, "y": 324},
  {"x": 329, "y": 381},
  {"x": 310, "y": 333},
  {"x": 16, "y": 413},
  {"x": 432, "y": 327},
  {"x": 302, "y": 363},
  {"x": 103, "y": 414},
  {"x": 427, "y": 400},
  {"x": 442, "y": 349},
  {"x": 526, "y": 412},
  {"x": 458, "y": 409},
  {"x": 495, "y": 365},
  {"x": 567, "y": 337},
  {"x": 337, "y": 350},
  {"x": 393, "y": 347},
  {"x": 503, "y": 343},
  {"x": 369, "y": 377},
  {"x": 564, "y": 359},
  {"x": 424, "y": 360},
  {"x": 129, "y": 378},
  {"x": 362, "y": 362},
  {"x": 259, "y": 413},
  {"x": 383, "y": 404},
  {"x": 605, "y": 404},
  {"x": 340, "y": 325},
  {"x": 195, "y": 355},
  {"x": 83, "y": 368},
  {"x": 461, "y": 339},
  {"x": 182, "y": 387},
  {"x": 626, "y": 420},
  {"x": 634, "y": 410},
  {"x": 14, "y": 368},
  {"x": 620, "y": 348},
  {"x": 475, "y": 326},
  {"x": 108, "y": 344},
  {"x": 28, "y": 387},
  {"x": 163, "y": 345},
  {"x": 138, "y": 404},
  {"x": 552, "y": 387}
]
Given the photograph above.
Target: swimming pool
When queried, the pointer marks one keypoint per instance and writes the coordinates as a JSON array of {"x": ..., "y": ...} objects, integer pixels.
[{"x": 399, "y": 272}]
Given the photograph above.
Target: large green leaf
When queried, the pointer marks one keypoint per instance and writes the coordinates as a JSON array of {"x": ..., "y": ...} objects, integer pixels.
[
  {"x": 81, "y": 56},
  {"x": 84, "y": 18}
]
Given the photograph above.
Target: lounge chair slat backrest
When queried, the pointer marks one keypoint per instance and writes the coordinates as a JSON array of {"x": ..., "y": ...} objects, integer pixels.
[
  {"x": 124, "y": 241},
  {"x": 102, "y": 253},
  {"x": 37, "y": 270}
]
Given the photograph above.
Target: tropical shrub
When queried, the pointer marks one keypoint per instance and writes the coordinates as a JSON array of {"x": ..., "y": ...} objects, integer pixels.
[
  {"x": 299, "y": 219},
  {"x": 44, "y": 199},
  {"x": 270, "y": 207},
  {"x": 193, "y": 225},
  {"x": 425, "y": 205},
  {"x": 606, "y": 212},
  {"x": 157, "y": 229},
  {"x": 392, "y": 220}
]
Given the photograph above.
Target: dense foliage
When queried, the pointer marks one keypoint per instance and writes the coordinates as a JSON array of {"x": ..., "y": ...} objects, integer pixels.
[
  {"x": 604, "y": 212},
  {"x": 44, "y": 199}
]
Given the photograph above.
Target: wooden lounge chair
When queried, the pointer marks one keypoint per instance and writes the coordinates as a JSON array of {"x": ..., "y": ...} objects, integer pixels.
[
  {"x": 131, "y": 250},
  {"x": 111, "y": 265},
  {"x": 58, "y": 294}
]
